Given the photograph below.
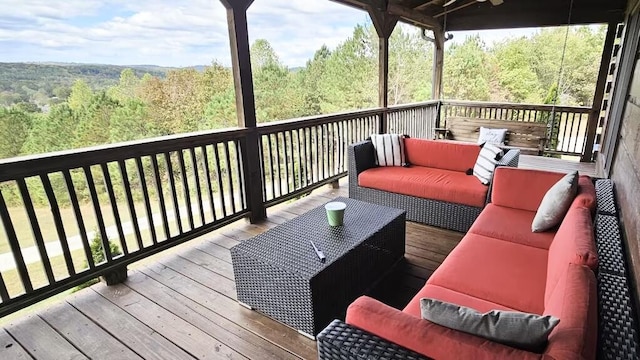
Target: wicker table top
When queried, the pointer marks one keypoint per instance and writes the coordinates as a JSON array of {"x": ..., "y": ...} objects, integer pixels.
[{"x": 289, "y": 245}]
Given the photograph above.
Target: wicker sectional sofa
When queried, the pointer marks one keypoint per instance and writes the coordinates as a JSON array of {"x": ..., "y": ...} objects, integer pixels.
[
  {"x": 438, "y": 193},
  {"x": 499, "y": 264}
]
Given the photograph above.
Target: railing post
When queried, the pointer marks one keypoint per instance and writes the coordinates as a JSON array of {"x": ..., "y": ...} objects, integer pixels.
[
  {"x": 384, "y": 24},
  {"x": 245, "y": 104},
  {"x": 596, "y": 106}
]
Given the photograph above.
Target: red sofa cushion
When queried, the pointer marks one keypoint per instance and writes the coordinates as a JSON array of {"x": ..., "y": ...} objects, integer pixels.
[
  {"x": 428, "y": 183},
  {"x": 443, "y": 294},
  {"x": 574, "y": 302},
  {"x": 511, "y": 225},
  {"x": 521, "y": 188},
  {"x": 425, "y": 337},
  {"x": 574, "y": 243},
  {"x": 447, "y": 155},
  {"x": 498, "y": 271},
  {"x": 586, "y": 196}
]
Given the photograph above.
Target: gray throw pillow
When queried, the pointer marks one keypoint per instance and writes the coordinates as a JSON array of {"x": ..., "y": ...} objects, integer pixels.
[
  {"x": 556, "y": 203},
  {"x": 517, "y": 329}
]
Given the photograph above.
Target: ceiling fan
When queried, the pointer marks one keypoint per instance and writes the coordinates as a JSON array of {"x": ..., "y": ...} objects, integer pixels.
[{"x": 493, "y": 2}]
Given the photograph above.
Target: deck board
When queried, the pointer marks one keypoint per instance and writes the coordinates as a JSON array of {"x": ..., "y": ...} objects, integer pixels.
[{"x": 183, "y": 305}]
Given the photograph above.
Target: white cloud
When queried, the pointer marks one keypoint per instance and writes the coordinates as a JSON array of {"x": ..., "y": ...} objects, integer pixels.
[{"x": 162, "y": 32}]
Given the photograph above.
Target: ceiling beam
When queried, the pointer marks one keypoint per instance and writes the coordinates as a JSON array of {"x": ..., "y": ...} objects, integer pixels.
[
  {"x": 412, "y": 16},
  {"x": 427, "y": 4}
]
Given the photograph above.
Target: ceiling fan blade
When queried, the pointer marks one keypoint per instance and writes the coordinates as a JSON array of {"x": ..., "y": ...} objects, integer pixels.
[
  {"x": 448, "y": 3},
  {"x": 496, "y": 2}
]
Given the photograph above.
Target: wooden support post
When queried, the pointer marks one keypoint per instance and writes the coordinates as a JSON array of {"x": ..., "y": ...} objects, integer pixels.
[
  {"x": 596, "y": 106},
  {"x": 245, "y": 104},
  {"x": 438, "y": 63},
  {"x": 384, "y": 24}
]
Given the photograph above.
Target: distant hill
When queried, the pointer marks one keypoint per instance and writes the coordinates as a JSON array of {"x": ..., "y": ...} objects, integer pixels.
[{"x": 36, "y": 82}]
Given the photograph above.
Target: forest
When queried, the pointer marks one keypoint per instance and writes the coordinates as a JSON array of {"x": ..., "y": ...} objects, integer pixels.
[{"x": 55, "y": 107}]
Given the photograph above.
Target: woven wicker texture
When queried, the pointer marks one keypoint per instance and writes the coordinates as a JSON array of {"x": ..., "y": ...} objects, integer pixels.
[
  {"x": 617, "y": 333},
  {"x": 618, "y": 338},
  {"x": 609, "y": 244},
  {"x": 431, "y": 212},
  {"x": 605, "y": 197},
  {"x": 278, "y": 272},
  {"x": 340, "y": 341}
]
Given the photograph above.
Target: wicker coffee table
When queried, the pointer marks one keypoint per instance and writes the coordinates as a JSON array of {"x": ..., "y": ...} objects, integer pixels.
[{"x": 279, "y": 274}]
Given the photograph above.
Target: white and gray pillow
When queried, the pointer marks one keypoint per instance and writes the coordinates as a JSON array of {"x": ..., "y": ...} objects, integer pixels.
[
  {"x": 517, "y": 329},
  {"x": 556, "y": 203},
  {"x": 492, "y": 136},
  {"x": 486, "y": 162},
  {"x": 389, "y": 149}
]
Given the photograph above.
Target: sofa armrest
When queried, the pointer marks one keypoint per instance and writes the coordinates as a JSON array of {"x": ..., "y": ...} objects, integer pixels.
[
  {"x": 346, "y": 342},
  {"x": 511, "y": 158},
  {"x": 425, "y": 337},
  {"x": 361, "y": 156}
]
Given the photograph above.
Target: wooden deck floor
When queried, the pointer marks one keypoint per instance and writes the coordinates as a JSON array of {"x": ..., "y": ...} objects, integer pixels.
[{"x": 183, "y": 305}]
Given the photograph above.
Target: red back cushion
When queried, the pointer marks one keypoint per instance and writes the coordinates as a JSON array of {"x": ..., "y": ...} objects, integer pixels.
[
  {"x": 574, "y": 301},
  {"x": 586, "y": 194},
  {"x": 521, "y": 188},
  {"x": 574, "y": 243},
  {"x": 439, "y": 154}
]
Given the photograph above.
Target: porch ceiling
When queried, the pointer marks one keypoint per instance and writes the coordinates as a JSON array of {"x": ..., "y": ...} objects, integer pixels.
[{"x": 477, "y": 15}]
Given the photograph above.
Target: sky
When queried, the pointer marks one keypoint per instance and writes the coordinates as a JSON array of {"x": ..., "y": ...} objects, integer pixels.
[{"x": 172, "y": 33}]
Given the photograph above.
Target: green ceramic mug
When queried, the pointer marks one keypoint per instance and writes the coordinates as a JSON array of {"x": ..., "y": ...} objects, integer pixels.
[{"x": 335, "y": 213}]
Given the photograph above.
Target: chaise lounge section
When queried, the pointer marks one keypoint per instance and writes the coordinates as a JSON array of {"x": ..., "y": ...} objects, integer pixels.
[
  {"x": 435, "y": 189},
  {"x": 499, "y": 265}
]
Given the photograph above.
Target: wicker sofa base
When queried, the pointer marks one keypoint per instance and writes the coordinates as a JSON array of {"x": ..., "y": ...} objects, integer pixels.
[
  {"x": 442, "y": 214},
  {"x": 341, "y": 341}
]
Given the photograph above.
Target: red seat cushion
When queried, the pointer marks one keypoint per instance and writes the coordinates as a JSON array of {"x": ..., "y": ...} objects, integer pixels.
[
  {"x": 447, "y": 155},
  {"x": 443, "y": 294},
  {"x": 428, "y": 183},
  {"x": 511, "y": 225},
  {"x": 425, "y": 337},
  {"x": 498, "y": 271}
]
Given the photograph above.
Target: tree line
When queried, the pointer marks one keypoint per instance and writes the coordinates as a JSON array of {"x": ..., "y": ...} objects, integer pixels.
[{"x": 141, "y": 105}]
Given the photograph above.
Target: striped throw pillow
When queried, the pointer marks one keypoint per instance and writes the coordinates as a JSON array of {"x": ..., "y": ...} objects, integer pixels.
[
  {"x": 486, "y": 162},
  {"x": 389, "y": 149}
]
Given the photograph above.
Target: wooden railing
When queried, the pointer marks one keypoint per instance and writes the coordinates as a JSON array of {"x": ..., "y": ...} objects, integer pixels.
[
  {"x": 566, "y": 125},
  {"x": 127, "y": 201},
  {"x": 71, "y": 216},
  {"x": 301, "y": 154}
]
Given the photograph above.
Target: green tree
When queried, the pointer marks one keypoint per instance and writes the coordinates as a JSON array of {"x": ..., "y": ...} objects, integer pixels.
[
  {"x": 15, "y": 125},
  {"x": 80, "y": 96},
  {"x": 466, "y": 71}
]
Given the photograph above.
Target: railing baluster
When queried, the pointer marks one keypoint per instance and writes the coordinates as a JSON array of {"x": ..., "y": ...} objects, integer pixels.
[
  {"x": 174, "y": 192},
  {"x": 219, "y": 176},
  {"x": 159, "y": 191},
  {"x": 147, "y": 200},
  {"x": 205, "y": 160},
  {"x": 273, "y": 168},
  {"x": 98, "y": 212},
  {"x": 4, "y": 294},
  {"x": 12, "y": 238},
  {"x": 73, "y": 197},
  {"x": 35, "y": 228},
  {"x": 57, "y": 219},
  {"x": 232, "y": 188},
  {"x": 196, "y": 172},
  {"x": 130, "y": 203},
  {"x": 185, "y": 188},
  {"x": 114, "y": 207},
  {"x": 239, "y": 161}
]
